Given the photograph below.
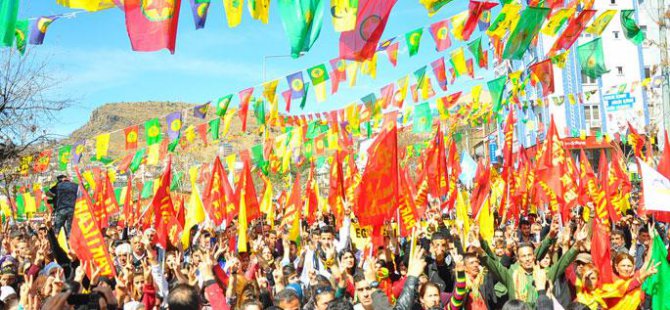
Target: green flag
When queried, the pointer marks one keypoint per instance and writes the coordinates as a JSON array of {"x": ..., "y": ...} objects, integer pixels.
[
  {"x": 630, "y": 28},
  {"x": 214, "y": 126},
  {"x": 20, "y": 206},
  {"x": 176, "y": 180},
  {"x": 258, "y": 158},
  {"x": 304, "y": 97},
  {"x": 137, "y": 159},
  {"x": 420, "y": 75},
  {"x": 173, "y": 145},
  {"x": 423, "y": 119},
  {"x": 318, "y": 74},
  {"x": 259, "y": 112},
  {"x": 302, "y": 20},
  {"x": 152, "y": 129},
  {"x": 591, "y": 58},
  {"x": 657, "y": 286},
  {"x": 496, "y": 88},
  {"x": 21, "y": 33},
  {"x": 309, "y": 149},
  {"x": 147, "y": 190},
  {"x": 9, "y": 10},
  {"x": 526, "y": 29},
  {"x": 222, "y": 105},
  {"x": 64, "y": 156},
  {"x": 413, "y": 39},
  {"x": 475, "y": 48}
]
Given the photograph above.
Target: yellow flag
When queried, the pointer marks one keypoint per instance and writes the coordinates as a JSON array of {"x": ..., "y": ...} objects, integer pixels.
[
  {"x": 344, "y": 14},
  {"x": 560, "y": 59},
  {"x": 442, "y": 109},
  {"x": 242, "y": 225},
  {"x": 458, "y": 22},
  {"x": 112, "y": 175},
  {"x": 476, "y": 93},
  {"x": 557, "y": 20},
  {"x": 4, "y": 207},
  {"x": 62, "y": 240},
  {"x": 88, "y": 177},
  {"x": 230, "y": 161},
  {"x": 259, "y": 9},
  {"x": 462, "y": 208},
  {"x": 233, "y": 12},
  {"x": 195, "y": 213},
  {"x": 29, "y": 201},
  {"x": 486, "y": 221},
  {"x": 101, "y": 145},
  {"x": 270, "y": 90},
  {"x": 598, "y": 26},
  {"x": 320, "y": 91},
  {"x": 369, "y": 67},
  {"x": 190, "y": 133},
  {"x": 458, "y": 62},
  {"x": 227, "y": 120},
  {"x": 88, "y": 5},
  {"x": 153, "y": 156},
  {"x": 507, "y": 19},
  {"x": 352, "y": 72}
]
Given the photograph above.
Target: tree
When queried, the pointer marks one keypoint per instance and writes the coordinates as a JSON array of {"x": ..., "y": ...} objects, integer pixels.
[{"x": 29, "y": 100}]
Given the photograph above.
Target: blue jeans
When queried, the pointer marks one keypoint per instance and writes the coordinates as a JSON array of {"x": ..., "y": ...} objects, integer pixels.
[{"x": 63, "y": 218}]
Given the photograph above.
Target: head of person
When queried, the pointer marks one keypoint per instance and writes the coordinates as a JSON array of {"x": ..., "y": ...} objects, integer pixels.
[
  {"x": 526, "y": 256},
  {"x": 581, "y": 260},
  {"x": 326, "y": 236},
  {"x": 499, "y": 248},
  {"x": 205, "y": 240},
  {"x": 545, "y": 260},
  {"x": 471, "y": 262},
  {"x": 617, "y": 239},
  {"x": 62, "y": 178},
  {"x": 429, "y": 295},
  {"x": 340, "y": 304},
  {"x": 121, "y": 251},
  {"x": 439, "y": 245},
  {"x": 498, "y": 234},
  {"x": 347, "y": 260},
  {"x": 515, "y": 304},
  {"x": 287, "y": 299},
  {"x": 643, "y": 236},
  {"x": 251, "y": 305},
  {"x": 323, "y": 295},
  {"x": 183, "y": 297},
  {"x": 138, "y": 247},
  {"x": 524, "y": 227},
  {"x": 623, "y": 265},
  {"x": 364, "y": 291},
  {"x": 590, "y": 276},
  {"x": 272, "y": 238},
  {"x": 250, "y": 292},
  {"x": 138, "y": 283}
]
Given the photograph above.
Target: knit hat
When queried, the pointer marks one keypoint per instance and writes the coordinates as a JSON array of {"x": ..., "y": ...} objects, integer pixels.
[{"x": 295, "y": 287}]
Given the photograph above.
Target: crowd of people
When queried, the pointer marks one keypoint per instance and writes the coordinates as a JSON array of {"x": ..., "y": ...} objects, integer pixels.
[{"x": 537, "y": 262}]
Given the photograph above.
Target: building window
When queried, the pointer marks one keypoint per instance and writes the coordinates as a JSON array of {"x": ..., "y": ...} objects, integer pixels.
[
  {"x": 616, "y": 34},
  {"x": 647, "y": 72},
  {"x": 643, "y": 28},
  {"x": 613, "y": 2},
  {"x": 592, "y": 115},
  {"x": 619, "y": 70}
]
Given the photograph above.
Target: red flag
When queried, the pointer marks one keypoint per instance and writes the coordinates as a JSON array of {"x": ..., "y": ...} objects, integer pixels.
[
  {"x": 435, "y": 166},
  {"x": 392, "y": 53},
  {"x": 482, "y": 186},
  {"x": 454, "y": 167},
  {"x": 152, "y": 25},
  {"x": 86, "y": 239},
  {"x": 543, "y": 72},
  {"x": 336, "y": 194},
  {"x": 312, "y": 200},
  {"x": 636, "y": 141},
  {"x": 245, "y": 96},
  {"x": 292, "y": 210},
  {"x": 132, "y": 134},
  {"x": 361, "y": 43},
  {"x": 600, "y": 251},
  {"x": 246, "y": 181},
  {"x": 406, "y": 208},
  {"x": 440, "y": 32},
  {"x": 440, "y": 72},
  {"x": 377, "y": 194},
  {"x": 42, "y": 162},
  {"x": 215, "y": 198},
  {"x": 476, "y": 9},
  {"x": 572, "y": 31},
  {"x": 664, "y": 162},
  {"x": 202, "y": 132},
  {"x": 163, "y": 207},
  {"x": 387, "y": 93},
  {"x": 287, "y": 99},
  {"x": 128, "y": 203},
  {"x": 590, "y": 190}
]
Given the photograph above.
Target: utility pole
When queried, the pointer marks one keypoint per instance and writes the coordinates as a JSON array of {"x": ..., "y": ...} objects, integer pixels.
[{"x": 663, "y": 40}]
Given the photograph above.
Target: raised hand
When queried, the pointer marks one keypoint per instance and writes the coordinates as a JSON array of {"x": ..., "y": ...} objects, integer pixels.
[{"x": 417, "y": 262}]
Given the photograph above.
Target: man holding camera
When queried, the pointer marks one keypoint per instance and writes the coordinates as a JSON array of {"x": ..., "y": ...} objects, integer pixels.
[{"x": 64, "y": 195}]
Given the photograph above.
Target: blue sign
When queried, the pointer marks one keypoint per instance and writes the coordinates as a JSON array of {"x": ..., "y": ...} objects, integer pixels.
[
  {"x": 493, "y": 148},
  {"x": 615, "y": 102}
]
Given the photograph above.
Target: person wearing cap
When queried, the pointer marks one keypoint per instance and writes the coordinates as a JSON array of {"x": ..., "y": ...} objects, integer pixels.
[{"x": 64, "y": 195}]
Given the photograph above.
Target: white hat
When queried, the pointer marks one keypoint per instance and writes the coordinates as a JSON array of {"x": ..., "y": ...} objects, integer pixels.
[
  {"x": 6, "y": 292},
  {"x": 122, "y": 249}
]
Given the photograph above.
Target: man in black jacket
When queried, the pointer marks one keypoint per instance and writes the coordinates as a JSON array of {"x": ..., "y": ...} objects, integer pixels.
[
  {"x": 64, "y": 195},
  {"x": 441, "y": 264}
]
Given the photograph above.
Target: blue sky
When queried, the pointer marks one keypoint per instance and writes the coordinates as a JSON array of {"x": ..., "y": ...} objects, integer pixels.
[{"x": 92, "y": 55}]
